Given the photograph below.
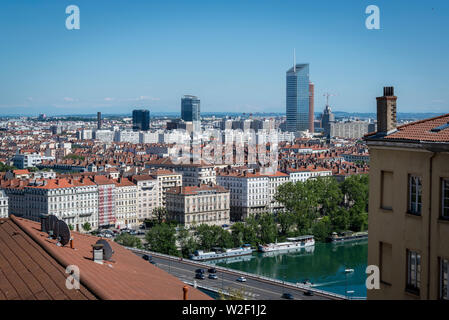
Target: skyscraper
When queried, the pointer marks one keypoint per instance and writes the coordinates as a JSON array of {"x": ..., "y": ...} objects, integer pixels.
[
  {"x": 141, "y": 120},
  {"x": 98, "y": 120},
  {"x": 298, "y": 97},
  {"x": 190, "y": 108}
]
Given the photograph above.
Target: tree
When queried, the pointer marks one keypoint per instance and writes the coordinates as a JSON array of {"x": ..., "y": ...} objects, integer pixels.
[
  {"x": 213, "y": 236},
  {"x": 160, "y": 214},
  {"x": 5, "y": 167},
  {"x": 339, "y": 219},
  {"x": 250, "y": 231},
  {"x": 268, "y": 229},
  {"x": 162, "y": 238},
  {"x": 86, "y": 226},
  {"x": 187, "y": 242},
  {"x": 322, "y": 228},
  {"x": 286, "y": 220},
  {"x": 127, "y": 240},
  {"x": 237, "y": 233}
]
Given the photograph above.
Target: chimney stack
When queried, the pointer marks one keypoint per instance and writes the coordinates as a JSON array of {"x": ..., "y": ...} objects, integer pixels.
[
  {"x": 97, "y": 250},
  {"x": 386, "y": 111}
]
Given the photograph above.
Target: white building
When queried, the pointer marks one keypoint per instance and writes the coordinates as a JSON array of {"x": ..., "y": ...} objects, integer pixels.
[
  {"x": 147, "y": 196},
  {"x": 4, "y": 209},
  {"x": 73, "y": 201},
  {"x": 207, "y": 204},
  {"x": 125, "y": 204},
  {"x": 23, "y": 161},
  {"x": 249, "y": 193},
  {"x": 302, "y": 174}
]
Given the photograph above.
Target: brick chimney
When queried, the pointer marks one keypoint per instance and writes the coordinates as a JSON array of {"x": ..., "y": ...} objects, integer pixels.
[{"x": 386, "y": 111}]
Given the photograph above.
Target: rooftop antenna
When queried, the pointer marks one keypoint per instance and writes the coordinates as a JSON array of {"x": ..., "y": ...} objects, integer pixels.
[{"x": 294, "y": 59}]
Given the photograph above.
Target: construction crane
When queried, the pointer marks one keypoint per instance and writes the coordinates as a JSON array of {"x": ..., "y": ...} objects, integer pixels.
[{"x": 327, "y": 95}]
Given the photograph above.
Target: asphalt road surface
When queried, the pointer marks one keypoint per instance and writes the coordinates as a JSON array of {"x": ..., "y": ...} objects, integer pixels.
[{"x": 253, "y": 288}]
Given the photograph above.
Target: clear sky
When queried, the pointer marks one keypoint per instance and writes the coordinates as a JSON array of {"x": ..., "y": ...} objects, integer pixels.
[{"x": 232, "y": 54}]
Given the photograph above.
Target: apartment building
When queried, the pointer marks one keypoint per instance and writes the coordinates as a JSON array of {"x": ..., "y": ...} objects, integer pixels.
[
  {"x": 106, "y": 201},
  {"x": 166, "y": 179},
  {"x": 302, "y": 174},
  {"x": 147, "y": 196},
  {"x": 193, "y": 205},
  {"x": 249, "y": 193},
  {"x": 193, "y": 174},
  {"x": 409, "y": 205},
  {"x": 274, "y": 181},
  {"x": 4, "y": 209},
  {"x": 125, "y": 203},
  {"x": 74, "y": 201}
]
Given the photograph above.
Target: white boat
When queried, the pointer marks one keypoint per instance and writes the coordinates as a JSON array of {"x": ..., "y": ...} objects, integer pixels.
[
  {"x": 291, "y": 243},
  {"x": 200, "y": 255}
]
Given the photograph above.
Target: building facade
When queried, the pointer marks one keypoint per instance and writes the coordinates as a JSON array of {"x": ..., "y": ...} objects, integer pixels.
[
  {"x": 141, "y": 120},
  {"x": 409, "y": 205},
  {"x": 298, "y": 97},
  {"x": 206, "y": 204}
]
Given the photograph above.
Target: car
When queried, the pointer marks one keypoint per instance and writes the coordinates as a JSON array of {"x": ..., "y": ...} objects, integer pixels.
[
  {"x": 200, "y": 276},
  {"x": 212, "y": 270},
  {"x": 140, "y": 233},
  {"x": 212, "y": 276},
  {"x": 199, "y": 270},
  {"x": 241, "y": 279},
  {"x": 152, "y": 261},
  {"x": 287, "y": 295},
  {"x": 308, "y": 293},
  {"x": 146, "y": 257}
]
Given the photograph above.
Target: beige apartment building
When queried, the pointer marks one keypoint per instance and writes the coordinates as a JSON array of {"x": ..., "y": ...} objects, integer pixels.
[
  {"x": 409, "y": 205},
  {"x": 206, "y": 204},
  {"x": 125, "y": 203}
]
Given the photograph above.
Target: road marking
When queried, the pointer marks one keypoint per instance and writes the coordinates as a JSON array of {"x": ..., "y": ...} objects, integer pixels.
[{"x": 230, "y": 281}]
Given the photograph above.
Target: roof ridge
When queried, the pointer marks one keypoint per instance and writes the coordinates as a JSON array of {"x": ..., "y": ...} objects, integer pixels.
[{"x": 422, "y": 121}]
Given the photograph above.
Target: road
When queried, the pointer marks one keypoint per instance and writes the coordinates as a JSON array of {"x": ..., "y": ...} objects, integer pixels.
[{"x": 253, "y": 289}]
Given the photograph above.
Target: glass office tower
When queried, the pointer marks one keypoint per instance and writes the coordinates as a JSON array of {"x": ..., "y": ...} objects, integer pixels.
[
  {"x": 190, "y": 108},
  {"x": 297, "y": 104},
  {"x": 141, "y": 120}
]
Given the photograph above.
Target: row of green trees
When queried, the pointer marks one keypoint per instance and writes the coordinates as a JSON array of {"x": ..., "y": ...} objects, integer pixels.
[
  {"x": 323, "y": 205},
  {"x": 317, "y": 206}
]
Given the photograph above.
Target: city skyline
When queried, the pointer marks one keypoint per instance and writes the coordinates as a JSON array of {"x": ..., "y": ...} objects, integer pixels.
[{"x": 234, "y": 57}]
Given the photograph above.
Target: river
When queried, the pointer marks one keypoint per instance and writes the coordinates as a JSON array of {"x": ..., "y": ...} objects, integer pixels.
[{"x": 323, "y": 265}]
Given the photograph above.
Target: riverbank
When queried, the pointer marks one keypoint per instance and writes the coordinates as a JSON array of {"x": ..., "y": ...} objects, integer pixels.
[{"x": 323, "y": 265}]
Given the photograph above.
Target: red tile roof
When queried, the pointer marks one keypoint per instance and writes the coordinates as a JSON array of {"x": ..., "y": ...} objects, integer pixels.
[
  {"x": 28, "y": 272},
  {"x": 421, "y": 130},
  {"x": 126, "y": 276}
]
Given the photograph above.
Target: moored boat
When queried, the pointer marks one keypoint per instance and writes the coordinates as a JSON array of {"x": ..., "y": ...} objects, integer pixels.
[
  {"x": 291, "y": 243},
  {"x": 200, "y": 255}
]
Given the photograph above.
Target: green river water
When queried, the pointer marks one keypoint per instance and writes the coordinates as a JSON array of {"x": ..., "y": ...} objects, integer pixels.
[{"x": 323, "y": 265}]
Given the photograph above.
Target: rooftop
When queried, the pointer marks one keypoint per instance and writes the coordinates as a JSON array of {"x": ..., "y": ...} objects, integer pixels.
[
  {"x": 34, "y": 267},
  {"x": 427, "y": 130}
]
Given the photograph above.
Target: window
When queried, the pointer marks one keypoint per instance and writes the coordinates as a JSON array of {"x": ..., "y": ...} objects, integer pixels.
[
  {"x": 413, "y": 271},
  {"x": 445, "y": 199},
  {"x": 415, "y": 195},
  {"x": 386, "y": 190},
  {"x": 385, "y": 255},
  {"x": 444, "y": 271}
]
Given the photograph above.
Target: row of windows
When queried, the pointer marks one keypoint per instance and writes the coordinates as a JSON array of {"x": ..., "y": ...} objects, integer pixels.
[{"x": 415, "y": 192}]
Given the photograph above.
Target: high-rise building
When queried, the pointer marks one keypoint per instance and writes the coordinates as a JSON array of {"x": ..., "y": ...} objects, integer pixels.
[
  {"x": 98, "y": 120},
  {"x": 298, "y": 97},
  {"x": 327, "y": 119},
  {"x": 190, "y": 108},
  {"x": 311, "y": 107},
  {"x": 409, "y": 205},
  {"x": 141, "y": 120}
]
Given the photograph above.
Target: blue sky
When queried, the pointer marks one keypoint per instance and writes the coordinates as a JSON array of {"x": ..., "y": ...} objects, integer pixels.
[{"x": 233, "y": 54}]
